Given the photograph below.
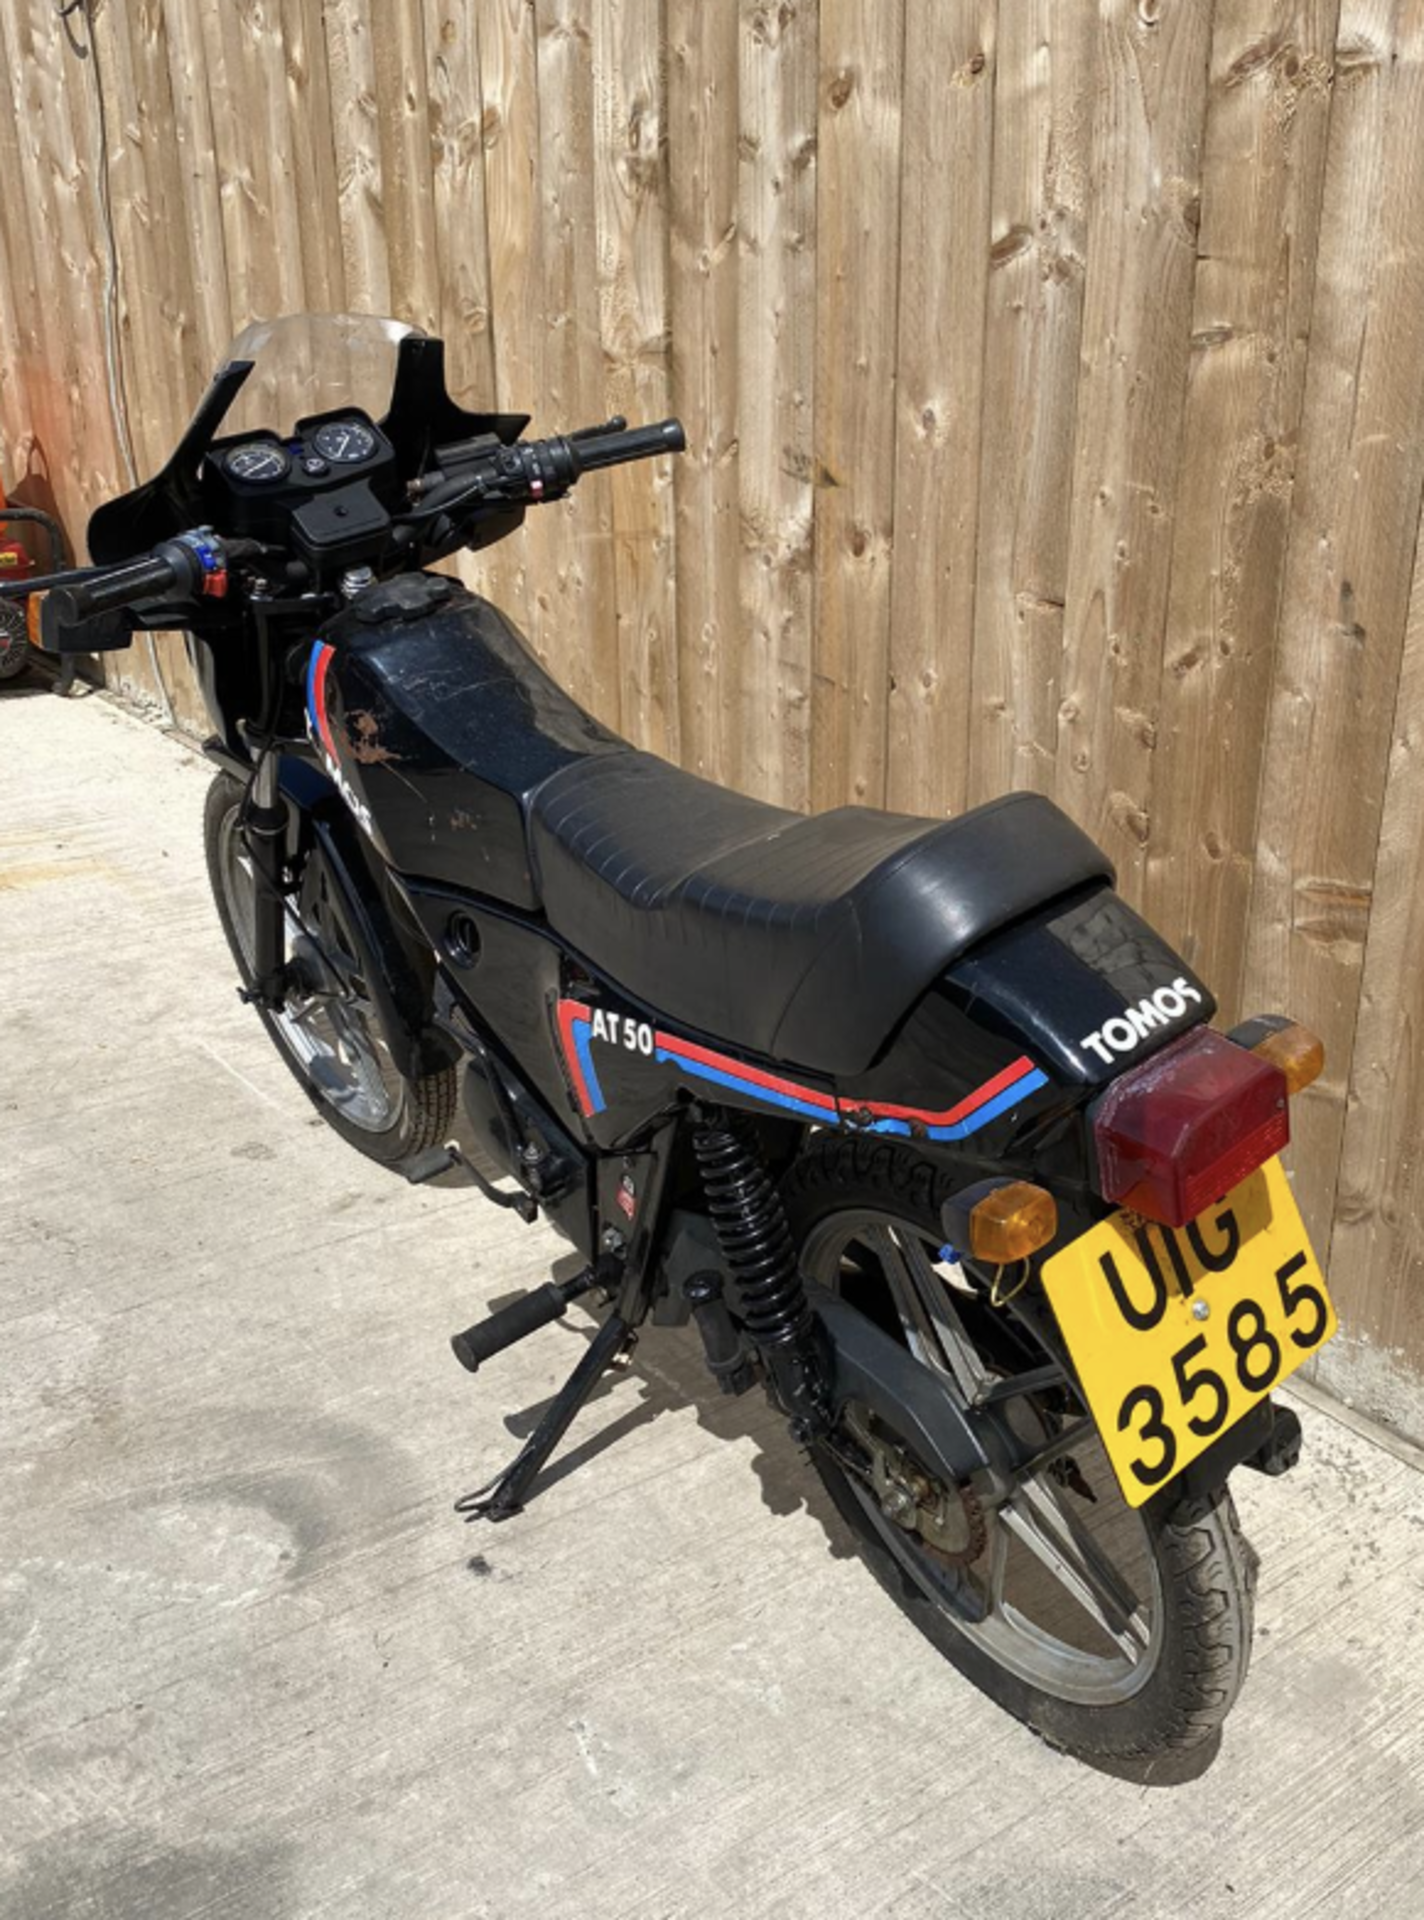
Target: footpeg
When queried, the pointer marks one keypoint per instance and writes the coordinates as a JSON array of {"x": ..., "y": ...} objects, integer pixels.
[
  {"x": 722, "y": 1347},
  {"x": 519, "y": 1319}
]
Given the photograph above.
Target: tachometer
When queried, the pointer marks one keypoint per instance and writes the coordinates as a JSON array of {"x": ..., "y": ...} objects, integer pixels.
[
  {"x": 344, "y": 441},
  {"x": 260, "y": 461}
]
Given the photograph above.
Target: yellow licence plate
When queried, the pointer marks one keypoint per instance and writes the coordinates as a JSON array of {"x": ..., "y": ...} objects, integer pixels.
[{"x": 1176, "y": 1333}]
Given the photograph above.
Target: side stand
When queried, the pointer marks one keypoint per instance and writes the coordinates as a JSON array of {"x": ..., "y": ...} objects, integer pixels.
[{"x": 504, "y": 1496}]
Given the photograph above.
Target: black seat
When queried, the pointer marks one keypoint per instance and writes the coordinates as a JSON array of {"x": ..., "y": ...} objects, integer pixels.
[{"x": 807, "y": 940}]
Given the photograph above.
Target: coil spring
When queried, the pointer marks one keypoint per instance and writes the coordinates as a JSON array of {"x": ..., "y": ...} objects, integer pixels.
[{"x": 750, "y": 1224}]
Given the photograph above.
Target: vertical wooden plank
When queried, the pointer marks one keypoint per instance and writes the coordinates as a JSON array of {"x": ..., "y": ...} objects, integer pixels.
[
  {"x": 313, "y": 154},
  {"x": 858, "y": 220},
  {"x": 1262, "y": 174},
  {"x": 575, "y": 590},
  {"x": 57, "y": 131},
  {"x": 198, "y": 201},
  {"x": 261, "y": 228},
  {"x": 767, "y": 746},
  {"x": 945, "y": 173},
  {"x": 1377, "y": 1255},
  {"x": 403, "y": 111},
  {"x": 631, "y": 204},
  {"x": 28, "y": 416},
  {"x": 458, "y": 186},
  {"x": 1354, "y": 520},
  {"x": 161, "y": 356},
  {"x": 1043, "y": 94},
  {"x": 64, "y": 159},
  {"x": 509, "y": 76},
  {"x": 702, "y": 122},
  {"x": 1152, "y": 60},
  {"x": 357, "y": 144}
]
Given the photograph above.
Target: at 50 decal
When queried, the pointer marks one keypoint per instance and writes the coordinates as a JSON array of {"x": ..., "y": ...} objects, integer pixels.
[{"x": 580, "y": 1026}]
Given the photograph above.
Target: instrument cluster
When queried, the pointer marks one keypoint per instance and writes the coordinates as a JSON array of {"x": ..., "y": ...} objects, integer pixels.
[
  {"x": 330, "y": 446},
  {"x": 260, "y": 484}
]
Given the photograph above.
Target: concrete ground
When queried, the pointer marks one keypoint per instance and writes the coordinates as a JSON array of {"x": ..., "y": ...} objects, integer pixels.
[{"x": 251, "y": 1664}]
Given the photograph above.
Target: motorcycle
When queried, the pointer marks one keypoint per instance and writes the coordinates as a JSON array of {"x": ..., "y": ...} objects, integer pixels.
[{"x": 916, "y": 1121}]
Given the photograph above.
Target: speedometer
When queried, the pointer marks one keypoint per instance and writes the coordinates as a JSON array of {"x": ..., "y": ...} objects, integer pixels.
[
  {"x": 344, "y": 441},
  {"x": 261, "y": 461}
]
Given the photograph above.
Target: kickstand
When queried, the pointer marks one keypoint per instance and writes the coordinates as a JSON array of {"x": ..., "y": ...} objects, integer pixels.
[{"x": 504, "y": 1495}]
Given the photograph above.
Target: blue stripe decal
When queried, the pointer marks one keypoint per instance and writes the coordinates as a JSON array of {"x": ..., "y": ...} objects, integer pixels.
[
  {"x": 991, "y": 1109},
  {"x": 1001, "y": 1103},
  {"x": 311, "y": 690},
  {"x": 583, "y": 1033},
  {"x": 750, "y": 1088}
]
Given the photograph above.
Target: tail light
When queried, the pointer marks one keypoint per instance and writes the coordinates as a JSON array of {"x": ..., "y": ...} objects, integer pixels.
[{"x": 1177, "y": 1132}]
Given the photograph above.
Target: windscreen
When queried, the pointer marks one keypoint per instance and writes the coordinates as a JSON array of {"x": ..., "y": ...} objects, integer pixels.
[{"x": 308, "y": 363}]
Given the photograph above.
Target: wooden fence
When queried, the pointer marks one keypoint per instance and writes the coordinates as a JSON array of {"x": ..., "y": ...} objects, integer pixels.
[{"x": 1053, "y": 373}]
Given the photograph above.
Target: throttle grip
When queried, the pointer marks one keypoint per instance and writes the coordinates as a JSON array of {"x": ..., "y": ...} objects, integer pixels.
[{"x": 633, "y": 443}]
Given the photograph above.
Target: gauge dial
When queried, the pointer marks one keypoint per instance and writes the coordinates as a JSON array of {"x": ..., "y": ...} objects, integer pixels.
[
  {"x": 344, "y": 441},
  {"x": 262, "y": 461}
]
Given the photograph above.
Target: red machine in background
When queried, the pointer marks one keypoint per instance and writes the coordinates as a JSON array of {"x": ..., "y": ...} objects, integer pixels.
[{"x": 16, "y": 563}]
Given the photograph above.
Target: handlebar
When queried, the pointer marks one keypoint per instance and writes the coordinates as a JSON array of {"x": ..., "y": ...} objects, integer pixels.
[
  {"x": 147, "y": 579},
  {"x": 472, "y": 476},
  {"x": 610, "y": 448},
  {"x": 531, "y": 469},
  {"x": 192, "y": 565}
]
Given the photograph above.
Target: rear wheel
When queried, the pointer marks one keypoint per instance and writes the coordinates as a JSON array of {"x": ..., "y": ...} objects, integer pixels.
[
  {"x": 1115, "y": 1632},
  {"x": 329, "y": 1029}
]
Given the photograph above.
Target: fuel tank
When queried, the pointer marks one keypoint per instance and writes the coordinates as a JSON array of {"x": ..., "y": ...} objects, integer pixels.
[{"x": 437, "y": 723}]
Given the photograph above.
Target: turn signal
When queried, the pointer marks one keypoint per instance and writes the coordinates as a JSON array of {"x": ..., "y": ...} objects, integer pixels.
[
  {"x": 33, "y": 607},
  {"x": 999, "y": 1222},
  {"x": 1295, "y": 1052}
]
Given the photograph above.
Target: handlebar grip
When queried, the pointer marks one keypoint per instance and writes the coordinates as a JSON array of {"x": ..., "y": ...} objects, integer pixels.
[
  {"x": 146, "y": 580},
  {"x": 634, "y": 443}
]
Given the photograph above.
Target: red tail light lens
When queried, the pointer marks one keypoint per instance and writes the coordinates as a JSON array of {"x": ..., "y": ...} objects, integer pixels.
[{"x": 1179, "y": 1131}]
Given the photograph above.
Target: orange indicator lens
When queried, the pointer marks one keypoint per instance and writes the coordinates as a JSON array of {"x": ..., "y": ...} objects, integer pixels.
[
  {"x": 1295, "y": 1052},
  {"x": 1011, "y": 1223}
]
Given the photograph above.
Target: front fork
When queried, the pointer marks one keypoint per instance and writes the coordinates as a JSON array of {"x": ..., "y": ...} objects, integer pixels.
[{"x": 265, "y": 830}]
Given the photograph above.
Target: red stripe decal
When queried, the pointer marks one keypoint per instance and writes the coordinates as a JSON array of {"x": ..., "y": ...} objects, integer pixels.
[
  {"x": 1001, "y": 1080},
  {"x": 319, "y": 699},
  {"x": 754, "y": 1076},
  {"x": 570, "y": 1011}
]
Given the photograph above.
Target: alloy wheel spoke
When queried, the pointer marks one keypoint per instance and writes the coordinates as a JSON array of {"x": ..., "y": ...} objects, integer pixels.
[
  {"x": 932, "y": 1328},
  {"x": 938, "y": 1297},
  {"x": 1036, "y": 1518}
]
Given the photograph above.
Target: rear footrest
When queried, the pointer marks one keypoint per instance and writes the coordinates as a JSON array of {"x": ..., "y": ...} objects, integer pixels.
[{"x": 519, "y": 1319}]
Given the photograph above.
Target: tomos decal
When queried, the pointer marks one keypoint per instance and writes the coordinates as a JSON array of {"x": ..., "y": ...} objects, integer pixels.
[
  {"x": 1133, "y": 1024},
  {"x": 319, "y": 727}
]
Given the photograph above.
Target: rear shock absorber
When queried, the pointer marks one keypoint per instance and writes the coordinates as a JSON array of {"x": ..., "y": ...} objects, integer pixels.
[{"x": 750, "y": 1224}]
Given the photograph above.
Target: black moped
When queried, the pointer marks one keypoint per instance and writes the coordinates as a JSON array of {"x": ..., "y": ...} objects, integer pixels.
[{"x": 915, "y": 1119}]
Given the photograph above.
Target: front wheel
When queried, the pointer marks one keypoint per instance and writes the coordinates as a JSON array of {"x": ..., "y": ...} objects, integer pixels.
[
  {"x": 1117, "y": 1633},
  {"x": 329, "y": 1029}
]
